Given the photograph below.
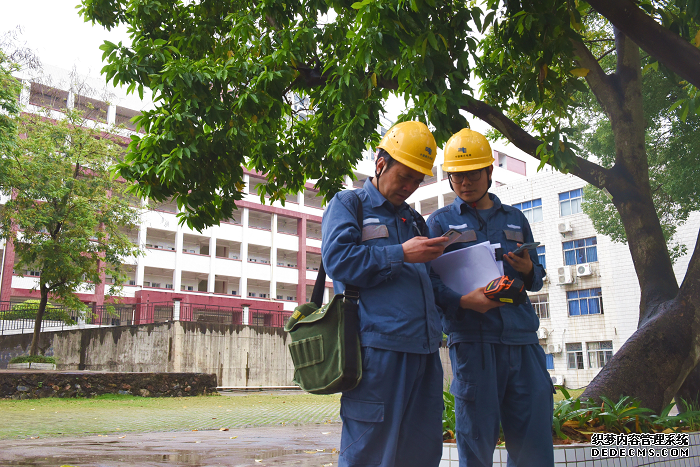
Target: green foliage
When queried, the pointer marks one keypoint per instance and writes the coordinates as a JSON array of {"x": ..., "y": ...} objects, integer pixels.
[
  {"x": 67, "y": 216},
  {"x": 9, "y": 108},
  {"x": 671, "y": 147},
  {"x": 33, "y": 359},
  {"x": 449, "y": 428},
  {"x": 226, "y": 74},
  {"x": 573, "y": 417},
  {"x": 29, "y": 308}
]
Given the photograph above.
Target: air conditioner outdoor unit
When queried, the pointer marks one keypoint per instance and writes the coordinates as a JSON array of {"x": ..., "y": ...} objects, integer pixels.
[
  {"x": 557, "y": 380},
  {"x": 584, "y": 269},
  {"x": 542, "y": 333},
  {"x": 553, "y": 348},
  {"x": 564, "y": 227},
  {"x": 565, "y": 276}
]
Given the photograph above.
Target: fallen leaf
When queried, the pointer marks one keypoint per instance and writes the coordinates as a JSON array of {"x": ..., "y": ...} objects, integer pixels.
[
  {"x": 233, "y": 437},
  {"x": 195, "y": 430},
  {"x": 223, "y": 429},
  {"x": 122, "y": 437},
  {"x": 197, "y": 442},
  {"x": 258, "y": 460},
  {"x": 325, "y": 432},
  {"x": 310, "y": 452}
]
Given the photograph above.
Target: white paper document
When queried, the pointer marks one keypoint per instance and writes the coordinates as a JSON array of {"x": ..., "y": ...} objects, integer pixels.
[{"x": 468, "y": 268}]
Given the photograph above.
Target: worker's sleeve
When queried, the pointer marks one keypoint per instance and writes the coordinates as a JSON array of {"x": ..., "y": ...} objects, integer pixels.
[
  {"x": 347, "y": 262},
  {"x": 446, "y": 298}
]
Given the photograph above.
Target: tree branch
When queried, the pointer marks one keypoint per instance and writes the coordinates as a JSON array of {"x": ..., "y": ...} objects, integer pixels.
[
  {"x": 690, "y": 287},
  {"x": 600, "y": 82},
  {"x": 667, "y": 47},
  {"x": 588, "y": 171}
]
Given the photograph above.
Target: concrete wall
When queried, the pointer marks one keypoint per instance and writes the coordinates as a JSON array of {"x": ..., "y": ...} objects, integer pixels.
[{"x": 239, "y": 355}]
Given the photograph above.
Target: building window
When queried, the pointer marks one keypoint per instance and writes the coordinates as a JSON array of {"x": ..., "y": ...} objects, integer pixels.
[
  {"x": 541, "y": 257},
  {"x": 574, "y": 354},
  {"x": 580, "y": 251},
  {"x": 541, "y": 305},
  {"x": 549, "y": 358},
  {"x": 599, "y": 353},
  {"x": 531, "y": 209},
  {"x": 585, "y": 302},
  {"x": 570, "y": 202}
]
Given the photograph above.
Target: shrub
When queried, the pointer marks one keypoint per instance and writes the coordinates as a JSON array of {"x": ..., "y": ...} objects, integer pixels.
[
  {"x": 33, "y": 359},
  {"x": 28, "y": 310}
]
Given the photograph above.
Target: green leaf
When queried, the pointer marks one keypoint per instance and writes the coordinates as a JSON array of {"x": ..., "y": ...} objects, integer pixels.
[{"x": 429, "y": 68}]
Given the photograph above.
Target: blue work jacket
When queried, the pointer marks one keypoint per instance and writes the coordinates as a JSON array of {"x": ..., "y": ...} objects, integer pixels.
[
  {"x": 397, "y": 308},
  {"x": 509, "y": 324}
]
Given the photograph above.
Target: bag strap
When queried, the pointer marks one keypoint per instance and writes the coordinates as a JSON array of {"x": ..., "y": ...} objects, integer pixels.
[{"x": 350, "y": 290}]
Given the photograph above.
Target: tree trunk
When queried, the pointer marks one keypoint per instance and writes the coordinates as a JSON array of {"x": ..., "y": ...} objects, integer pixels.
[
  {"x": 34, "y": 349},
  {"x": 654, "y": 363}
]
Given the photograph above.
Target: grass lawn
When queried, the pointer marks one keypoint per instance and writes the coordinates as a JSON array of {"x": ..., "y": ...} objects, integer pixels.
[
  {"x": 573, "y": 392},
  {"x": 117, "y": 413}
]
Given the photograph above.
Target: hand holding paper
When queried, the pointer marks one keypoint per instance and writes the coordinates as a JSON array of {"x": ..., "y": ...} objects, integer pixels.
[{"x": 467, "y": 269}]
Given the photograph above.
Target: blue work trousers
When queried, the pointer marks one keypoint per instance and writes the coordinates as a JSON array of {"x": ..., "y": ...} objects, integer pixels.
[
  {"x": 508, "y": 385},
  {"x": 393, "y": 418}
]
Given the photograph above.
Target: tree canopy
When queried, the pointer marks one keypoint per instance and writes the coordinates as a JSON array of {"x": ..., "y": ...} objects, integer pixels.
[
  {"x": 66, "y": 215},
  {"x": 224, "y": 72}
]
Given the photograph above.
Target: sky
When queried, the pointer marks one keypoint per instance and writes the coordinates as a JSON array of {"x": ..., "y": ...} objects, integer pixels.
[{"x": 57, "y": 34}]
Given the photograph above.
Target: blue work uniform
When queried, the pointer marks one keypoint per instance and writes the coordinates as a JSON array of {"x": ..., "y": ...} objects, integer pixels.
[
  {"x": 394, "y": 416},
  {"x": 500, "y": 374}
]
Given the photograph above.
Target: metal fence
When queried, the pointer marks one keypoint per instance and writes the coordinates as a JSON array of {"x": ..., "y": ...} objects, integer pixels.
[
  {"x": 19, "y": 318},
  {"x": 231, "y": 315}
]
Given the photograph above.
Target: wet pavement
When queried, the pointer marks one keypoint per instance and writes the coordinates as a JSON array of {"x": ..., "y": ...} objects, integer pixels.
[{"x": 301, "y": 445}]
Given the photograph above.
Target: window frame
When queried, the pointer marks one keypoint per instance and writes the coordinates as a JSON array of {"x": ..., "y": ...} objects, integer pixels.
[
  {"x": 577, "y": 354},
  {"x": 537, "y": 304},
  {"x": 541, "y": 257},
  {"x": 588, "y": 250},
  {"x": 566, "y": 198},
  {"x": 528, "y": 208},
  {"x": 589, "y": 297},
  {"x": 600, "y": 354}
]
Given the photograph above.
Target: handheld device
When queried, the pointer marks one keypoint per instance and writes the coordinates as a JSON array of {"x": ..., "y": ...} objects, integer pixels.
[
  {"x": 452, "y": 235},
  {"x": 506, "y": 290},
  {"x": 529, "y": 246}
]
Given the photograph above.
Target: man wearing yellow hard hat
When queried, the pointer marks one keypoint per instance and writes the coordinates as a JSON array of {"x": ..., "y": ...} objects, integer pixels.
[
  {"x": 499, "y": 368},
  {"x": 394, "y": 416}
]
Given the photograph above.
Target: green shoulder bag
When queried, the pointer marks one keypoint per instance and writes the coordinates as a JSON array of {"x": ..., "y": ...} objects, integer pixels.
[{"x": 325, "y": 345}]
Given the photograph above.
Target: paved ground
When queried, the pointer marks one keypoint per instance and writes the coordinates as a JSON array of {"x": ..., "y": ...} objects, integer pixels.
[
  {"x": 261, "y": 430},
  {"x": 302, "y": 446}
]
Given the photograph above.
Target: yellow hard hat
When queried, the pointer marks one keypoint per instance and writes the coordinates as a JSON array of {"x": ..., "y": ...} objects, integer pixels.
[
  {"x": 412, "y": 144},
  {"x": 467, "y": 150}
]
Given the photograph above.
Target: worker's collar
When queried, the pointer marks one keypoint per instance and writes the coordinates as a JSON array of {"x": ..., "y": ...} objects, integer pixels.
[
  {"x": 463, "y": 207},
  {"x": 377, "y": 199}
]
